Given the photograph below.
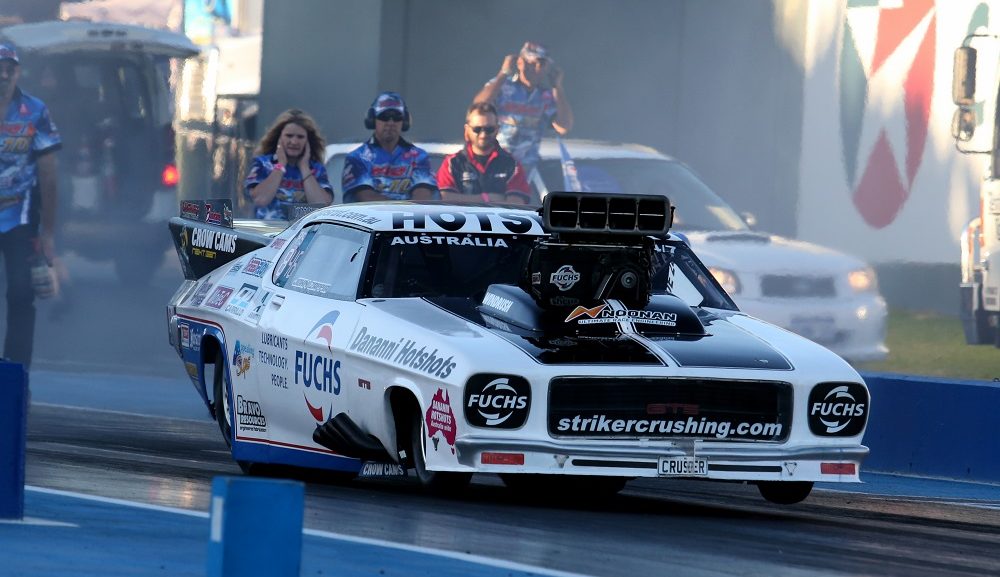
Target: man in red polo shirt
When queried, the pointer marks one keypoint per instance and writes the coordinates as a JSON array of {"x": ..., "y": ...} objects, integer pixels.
[{"x": 483, "y": 172}]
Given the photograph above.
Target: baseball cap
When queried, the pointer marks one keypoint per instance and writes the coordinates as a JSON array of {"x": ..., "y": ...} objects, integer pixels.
[
  {"x": 7, "y": 52},
  {"x": 388, "y": 101},
  {"x": 534, "y": 51}
]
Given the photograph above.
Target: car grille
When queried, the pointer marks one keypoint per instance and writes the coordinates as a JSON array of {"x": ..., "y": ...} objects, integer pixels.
[
  {"x": 793, "y": 286},
  {"x": 710, "y": 409}
]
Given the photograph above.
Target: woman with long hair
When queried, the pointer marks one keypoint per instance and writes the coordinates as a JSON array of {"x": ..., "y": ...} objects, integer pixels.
[{"x": 289, "y": 167}]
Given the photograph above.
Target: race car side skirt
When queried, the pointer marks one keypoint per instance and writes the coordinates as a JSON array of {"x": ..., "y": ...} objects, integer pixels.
[{"x": 272, "y": 452}]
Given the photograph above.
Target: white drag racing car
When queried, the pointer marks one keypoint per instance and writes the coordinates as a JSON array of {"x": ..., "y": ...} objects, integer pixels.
[{"x": 577, "y": 346}]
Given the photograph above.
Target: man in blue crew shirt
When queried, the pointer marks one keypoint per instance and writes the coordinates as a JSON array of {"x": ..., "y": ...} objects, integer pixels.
[{"x": 387, "y": 167}]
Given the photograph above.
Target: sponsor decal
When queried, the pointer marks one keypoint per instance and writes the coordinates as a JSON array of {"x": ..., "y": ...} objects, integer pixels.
[
  {"x": 242, "y": 357},
  {"x": 605, "y": 314},
  {"x": 199, "y": 295},
  {"x": 192, "y": 370},
  {"x": 565, "y": 277},
  {"x": 440, "y": 419},
  {"x": 838, "y": 409},
  {"x": 317, "y": 372},
  {"x": 311, "y": 286},
  {"x": 256, "y": 267},
  {"x": 403, "y": 352},
  {"x": 213, "y": 240},
  {"x": 239, "y": 303},
  {"x": 498, "y": 302},
  {"x": 219, "y": 297},
  {"x": 377, "y": 469},
  {"x": 601, "y": 425},
  {"x": 322, "y": 331},
  {"x": 249, "y": 415},
  {"x": 275, "y": 360},
  {"x": 185, "y": 331},
  {"x": 561, "y": 301},
  {"x": 477, "y": 222},
  {"x": 196, "y": 334},
  {"x": 355, "y": 216},
  {"x": 237, "y": 266},
  {"x": 364, "y": 384},
  {"x": 257, "y": 305},
  {"x": 488, "y": 241},
  {"x": 497, "y": 401},
  {"x": 219, "y": 213},
  {"x": 277, "y": 243},
  {"x": 190, "y": 210}
]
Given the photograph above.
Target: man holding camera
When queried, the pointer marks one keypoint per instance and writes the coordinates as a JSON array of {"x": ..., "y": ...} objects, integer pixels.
[{"x": 528, "y": 94}]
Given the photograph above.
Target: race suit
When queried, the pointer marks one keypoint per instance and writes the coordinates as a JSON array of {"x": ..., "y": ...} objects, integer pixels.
[
  {"x": 394, "y": 174},
  {"x": 290, "y": 191}
]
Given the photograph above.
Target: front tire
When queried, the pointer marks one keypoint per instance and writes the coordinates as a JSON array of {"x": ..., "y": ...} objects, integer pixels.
[
  {"x": 436, "y": 482},
  {"x": 785, "y": 492}
]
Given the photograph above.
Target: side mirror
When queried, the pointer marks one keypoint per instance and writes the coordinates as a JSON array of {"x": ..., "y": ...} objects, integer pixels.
[
  {"x": 963, "y": 82},
  {"x": 963, "y": 124}
]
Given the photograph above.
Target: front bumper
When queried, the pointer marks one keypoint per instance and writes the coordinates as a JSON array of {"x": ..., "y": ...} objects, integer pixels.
[{"x": 750, "y": 462}]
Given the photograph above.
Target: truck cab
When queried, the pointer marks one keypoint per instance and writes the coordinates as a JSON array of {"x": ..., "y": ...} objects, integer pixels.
[{"x": 976, "y": 130}]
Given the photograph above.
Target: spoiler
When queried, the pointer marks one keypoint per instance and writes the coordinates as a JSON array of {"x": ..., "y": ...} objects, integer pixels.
[
  {"x": 216, "y": 211},
  {"x": 205, "y": 238}
]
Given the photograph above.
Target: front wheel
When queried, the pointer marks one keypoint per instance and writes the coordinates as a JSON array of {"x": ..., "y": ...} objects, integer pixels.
[
  {"x": 785, "y": 492},
  {"x": 437, "y": 482}
]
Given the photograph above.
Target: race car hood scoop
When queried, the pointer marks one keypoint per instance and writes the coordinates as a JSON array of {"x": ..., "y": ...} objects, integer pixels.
[{"x": 664, "y": 315}]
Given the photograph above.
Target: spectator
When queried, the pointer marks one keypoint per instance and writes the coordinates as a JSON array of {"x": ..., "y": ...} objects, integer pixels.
[
  {"x": 289, "y": 169},
  {"x": 528, "y": 94},
  {"x": 27, "y": 164},
  {"x": 387, "y": 167},
  {"x": 483, "y": 170}
]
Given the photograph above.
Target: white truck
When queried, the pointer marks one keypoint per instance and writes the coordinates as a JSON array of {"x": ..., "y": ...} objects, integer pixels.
[{"x": 976, "y": 129}]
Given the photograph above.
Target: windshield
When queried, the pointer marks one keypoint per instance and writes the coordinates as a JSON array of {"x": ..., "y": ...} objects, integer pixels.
[
  {"x": 465, "y": 265},
  {"x": 698, "y": 208}
]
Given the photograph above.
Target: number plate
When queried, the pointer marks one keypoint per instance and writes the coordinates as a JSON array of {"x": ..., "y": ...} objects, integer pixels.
[{"x": 683, "y": 467}]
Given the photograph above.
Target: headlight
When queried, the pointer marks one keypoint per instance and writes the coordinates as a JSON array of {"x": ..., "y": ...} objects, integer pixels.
[
  {"x": 861, "y": 280},
  {"x": 728, "y": 279}
]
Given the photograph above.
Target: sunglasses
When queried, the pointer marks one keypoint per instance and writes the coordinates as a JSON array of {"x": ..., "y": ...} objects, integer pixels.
[
  {"x": 390, "y": 116},
  {"x": 481, "y": 129}
]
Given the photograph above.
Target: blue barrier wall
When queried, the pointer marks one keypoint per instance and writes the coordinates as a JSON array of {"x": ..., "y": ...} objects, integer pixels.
[
  {"x": 13, "y": 423},
  {"x": 934, "y": 427}
]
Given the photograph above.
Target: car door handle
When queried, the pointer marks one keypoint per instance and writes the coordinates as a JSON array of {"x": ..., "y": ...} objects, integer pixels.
[{"x": 277, "y": 301}]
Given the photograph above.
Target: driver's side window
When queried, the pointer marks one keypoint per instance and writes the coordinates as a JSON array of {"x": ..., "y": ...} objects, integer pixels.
[{"x": 327, "y": 260}]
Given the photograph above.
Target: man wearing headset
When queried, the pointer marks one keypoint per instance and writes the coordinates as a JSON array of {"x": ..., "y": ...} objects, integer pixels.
[{"x": 387, "y": 167}]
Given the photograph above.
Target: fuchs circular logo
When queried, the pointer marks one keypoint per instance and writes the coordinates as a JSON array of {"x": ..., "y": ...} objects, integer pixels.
[
  {"x": 565, "y": 277},
  {"x": 497, "y": 401},
  {"x": 838, "y": 409}
]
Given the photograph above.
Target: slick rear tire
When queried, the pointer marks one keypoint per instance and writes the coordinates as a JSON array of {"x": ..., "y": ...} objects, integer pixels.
[
  {"x": 785, "y": 492},
  {"x": 443, "y": 483},
  {"x": 220, "y": 405}
]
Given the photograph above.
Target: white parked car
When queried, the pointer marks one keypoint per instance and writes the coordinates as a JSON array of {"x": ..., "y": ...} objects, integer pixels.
[{"x": 822, "y": 294}]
